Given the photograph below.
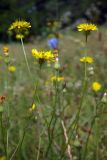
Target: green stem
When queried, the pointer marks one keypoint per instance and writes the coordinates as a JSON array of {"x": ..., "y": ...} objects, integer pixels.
[
  {"x": 2, "y": 133},
  {"x": 18, "y": 146},
  {"x": 38, "y": 153},
  {"x": 83, "y": 88},
  {"x": 29, "y": 69},
  {"x": 54, "y": 117},
  {"x": 92, "y": 124},
  {"x": 7, "y": 144},
  {"x": 88, "y": 137},
  {"x": 75, "y": 122},
  {"x": 7, "y": 136},
  {"x": 25, "y": 56}
]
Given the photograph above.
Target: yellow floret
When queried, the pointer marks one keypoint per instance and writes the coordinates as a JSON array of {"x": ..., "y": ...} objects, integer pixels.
[
  {"x": 96, "y": 86},
  {"x": 86, "y": 27},
  {"x": 87, "y": 59}
]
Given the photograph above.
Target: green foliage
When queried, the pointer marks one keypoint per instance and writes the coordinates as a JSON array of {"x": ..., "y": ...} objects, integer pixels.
[{"x": 38, "y": 12}]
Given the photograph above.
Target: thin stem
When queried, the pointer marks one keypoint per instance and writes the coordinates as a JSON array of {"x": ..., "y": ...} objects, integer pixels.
[
  {"x": 85, "y": 66},
  {"x": 8, "y": 119},
  {"x": 38, "y": 153},
  {"x": 69, "y": 151},
  {"x": 2, "y": 132},
  {"x": 88, "y": 137},
  {"x": 84, "y": 87},
  {"x": 7, "y": 136},
  {"x": 75, "y": 122},
  {"x": 36, "y": 94},
  {"x": 51, "y": 138},
  {"x": 7, "y": 143},
  {"x": 18, "y": 146},
  {"x": 92, "y": 124},
  {"x": 29, "y": 69},
  {"x": 21, "y": 140},
  {"x": 25, "y": 56},
  {"x": 54, "y": 116}
]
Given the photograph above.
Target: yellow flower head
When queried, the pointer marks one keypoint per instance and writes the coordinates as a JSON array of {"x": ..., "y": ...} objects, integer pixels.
[
  {"x": 96, "y": 86},
  {"x": 6, "y": 51},
  {"x": 11, "y": 68},
  {"x": 20, "y": 25},
  {"x": 87, "y": 59},
  {"x": 33, "y": 107},
  {"x": 43, "y": 55},
  {"x": 48, "y": 55},
  {"x": 56, "y": 78},
  {"x": 86, "y": 27}
]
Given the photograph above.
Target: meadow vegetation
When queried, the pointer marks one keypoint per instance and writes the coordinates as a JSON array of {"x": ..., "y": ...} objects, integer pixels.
[{"x": 54, "y": 107}]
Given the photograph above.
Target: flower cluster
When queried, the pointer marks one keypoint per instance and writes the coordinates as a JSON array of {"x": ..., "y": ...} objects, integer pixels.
[
  {"x": 20, "y": 27},
  {"x": 43, "y": 55},
  {"x": 87, "y": 59}
]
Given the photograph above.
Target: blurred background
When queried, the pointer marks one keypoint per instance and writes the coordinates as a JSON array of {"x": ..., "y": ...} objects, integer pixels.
[{"x": 42, "y": 13}]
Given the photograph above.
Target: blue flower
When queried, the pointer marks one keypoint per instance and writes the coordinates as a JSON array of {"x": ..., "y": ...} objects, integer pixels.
[{"x": 53, "y": 42}]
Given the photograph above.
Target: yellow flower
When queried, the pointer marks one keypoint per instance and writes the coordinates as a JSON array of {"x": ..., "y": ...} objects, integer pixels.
[
  {"x": 87, "y": 59},
  {"x": 56, "y": 78},
  {"x": 35, "y": 53},
  {"x": 19, "y": 36},
  {"x": 87, "y": 27},
  {"x": 48, "y": 55},
  {"x": 12, "y": 68},
  {"x": 33, "y": 107},
  {"x": 6, "y": 51},
  {"x": 60, "y": 78},
  {"x": 43, "y": 55},
  {"x": 96, "y": 86},
  {"x": 20, "y": 25}
]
